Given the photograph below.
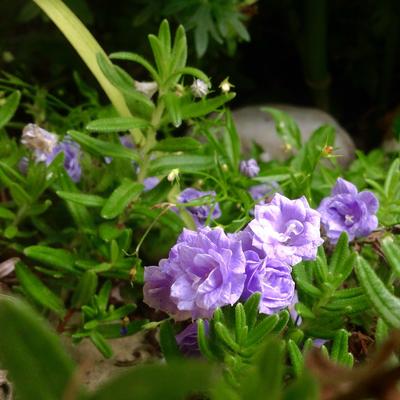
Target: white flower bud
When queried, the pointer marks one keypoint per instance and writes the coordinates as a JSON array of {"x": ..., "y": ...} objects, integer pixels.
[
  {"x": 8, "y": 266},
  {"x": 174, "y": 174},
  {"x": 36, "y": 138},
  {"x": 147, "y": 88},
  {"x": 225, "y": 86},
  {"x": 199, "y": 88}
]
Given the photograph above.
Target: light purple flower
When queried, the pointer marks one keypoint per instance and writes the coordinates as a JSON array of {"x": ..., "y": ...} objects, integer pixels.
[
  {"x": 199, "y": 213},
  {"x": 205, "y": 270},
  {"x": 286, "y": 230},
  {"x": 40, "y": 141},
  {"x": 72, "y": 154},
  {"x": 272, "y": 278},
  {"x": 259, "y": 193},
  {"x": 249, "y": 168},
  {"x": 348, "y": 211},
  {"x": 187, "y": 340},
  {"x": 150, "y": 183}
]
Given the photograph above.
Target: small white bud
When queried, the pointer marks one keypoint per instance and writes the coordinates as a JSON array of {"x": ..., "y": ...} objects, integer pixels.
[
  {"x": 8, "y": 266},
  {"x": 199, "y": 88},
  {"x": 174, "y": 174},
  {"x": 147, "y": 88},
  {"x": 225, "y": 167},
  {"x": 226, "y": 86}
]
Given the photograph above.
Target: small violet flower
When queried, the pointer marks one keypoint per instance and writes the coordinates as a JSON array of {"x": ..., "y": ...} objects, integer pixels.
[
  {"x": 187, "y": 340},
  {"x": 40, "y": 141},
  {"x": 286, "y": 230},
  {"x": 199, "y": 213},
  {"x": 72, "y": 154},
  {"x": 348, "y": 211},
  {"x": 249, "y": 168},
  {"x": 150, "y": 183},
  {"x": 205, "y": 270}
]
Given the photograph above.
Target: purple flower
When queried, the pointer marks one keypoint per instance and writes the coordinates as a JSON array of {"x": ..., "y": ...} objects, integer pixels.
[
  {"x": 150, "y": 183},
  {"x": 348, "y": 211},
  {"x": 286, "y": 230},
  {"x": 187, "y": 340},
  {"x": 72, "y": 154},
  {"x": 199, "y": 213},
  {"x": 272, "y": 278},
  {"x": 205, "y": 270},
  {"x": 249, "y": 168}
]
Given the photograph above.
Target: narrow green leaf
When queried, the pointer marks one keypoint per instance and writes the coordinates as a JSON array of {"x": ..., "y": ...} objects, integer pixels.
[
  {"x": 392, "y": 179},
  {"x": 120, "y": 198},
  {"x": 185, "y": 163},
  {"x": 101, "y": 343},
  {"x": 5, "y": 213},
  {"x": 86, "y": 288},
  {"x": 340, "y": 253},
  {"x": 179, "y": 51},
  {"x": 36, "y": 289},
  {"x": 339, "y": 352},
  {"x": 31, "y": 353},
  {"x": 172, "y": 104},
  {"x": 385, "y": 303},
  {"x": 9, "y": 107},
  {"x": 204, "y": 106},
  {"x": 262, "y": 329},
  {"x": 103, "y": 148},
  {"x": 88, "y": 200},
  {"x": 177, "y": 144},
  {"x": 286, "y": 126},
  {"x": 392, "y": 254},
  {"x": 231, "y": 140},
  {"x": 225, "y": 336},
  {"x": 116, "y": 124},
  {"x": 251, "y": 309},
  {"x": 168, "y": 343},
  {"x": 304, "y": 311},
  {"x": 296, "y": 358},
  {"x": 202, "y": 340},
  {"x": 240, "y": 324},
  {"x": 58, "y": 258}
]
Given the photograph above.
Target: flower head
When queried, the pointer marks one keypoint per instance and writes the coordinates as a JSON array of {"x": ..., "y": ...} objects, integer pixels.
[
  {"x": 249, "y": 168},
  {"x": 199, "y": 88},
  {"x": 204, "y": 270},
  {"x": 199, "y": 213},
  {"x": 39, "y": 140},
  {"x": 348, "y": 211},
  {"x": 286, "y": 230},
  {"x": 150, "y": 183}
]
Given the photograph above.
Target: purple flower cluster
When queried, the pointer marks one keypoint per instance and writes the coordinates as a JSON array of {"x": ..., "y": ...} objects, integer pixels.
[
  {"x": 199, "y": 213},
  {"x": 45, "y": 147},
  {"x": 207, "y": 269},
  {"x": 348, "y": 211}
]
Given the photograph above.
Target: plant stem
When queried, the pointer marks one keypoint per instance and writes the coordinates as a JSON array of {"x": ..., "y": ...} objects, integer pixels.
[{"x": 87, "y": 47}]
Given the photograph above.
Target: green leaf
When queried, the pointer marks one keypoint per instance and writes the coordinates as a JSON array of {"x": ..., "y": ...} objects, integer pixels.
[
  {"x": 9, "y": 107},
  {"x": 392, "y": 181},
  {"x": 86, "y": 288},
  {"x": 88, "y": 200},
  {"x": 5, "y": 213},
  {"x": 241, "y": 328},
  {"x": 385, "y": 303},
  {"x": 296, "y": 358},
  {"x": 231, "y": 140},
  {"x": 101, "y": 344},
  {"x": 58, "y": 258},
  {"x": 177, "y": 144},
  {"x": 120, "y": 198},
  {"x": 185, "y": 163},
  {"x": 34, "y": 287},
  {"x": 102, "y": 148},
  {"x": 203, "y": 340},
  {"x": 116, "y": 124},
  {"x": 179, "y": 51},
  {"x": 340, "y": 352},
  {"x": 168, "y": 343},
  {"x": 340, "y": 254},
  {"x": 204, "y": 106},
  {"x": 168, "y": 382},
  {"x": 172, "y": 104},
  {"x": 286, "y": 126},
  {"x": 31, "y": 353},
  {"x": 262, "y": 329},
  {"x": 251, "y": 309},
  {"x": 225, "y": 336},
  {"x": 129, "y": 56},
  {"x": 392, "y": 254}
]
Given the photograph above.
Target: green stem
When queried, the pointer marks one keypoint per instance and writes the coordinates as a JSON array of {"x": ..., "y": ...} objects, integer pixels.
[{"x": 87, "y": 47}]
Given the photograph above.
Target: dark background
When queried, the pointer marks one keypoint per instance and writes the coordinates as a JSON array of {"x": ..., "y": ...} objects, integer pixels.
[{"x": 338, "y": 55}]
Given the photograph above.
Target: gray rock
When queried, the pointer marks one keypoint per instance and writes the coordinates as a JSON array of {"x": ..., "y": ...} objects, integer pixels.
[{"x": 255, "y": 125}]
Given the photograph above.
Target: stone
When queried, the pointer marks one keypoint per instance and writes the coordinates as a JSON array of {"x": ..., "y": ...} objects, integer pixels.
[{"x": 254, "y": 125}]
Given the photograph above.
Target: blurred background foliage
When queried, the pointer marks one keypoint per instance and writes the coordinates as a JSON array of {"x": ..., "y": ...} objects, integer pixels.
[{"x": 337, "y": 55}]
